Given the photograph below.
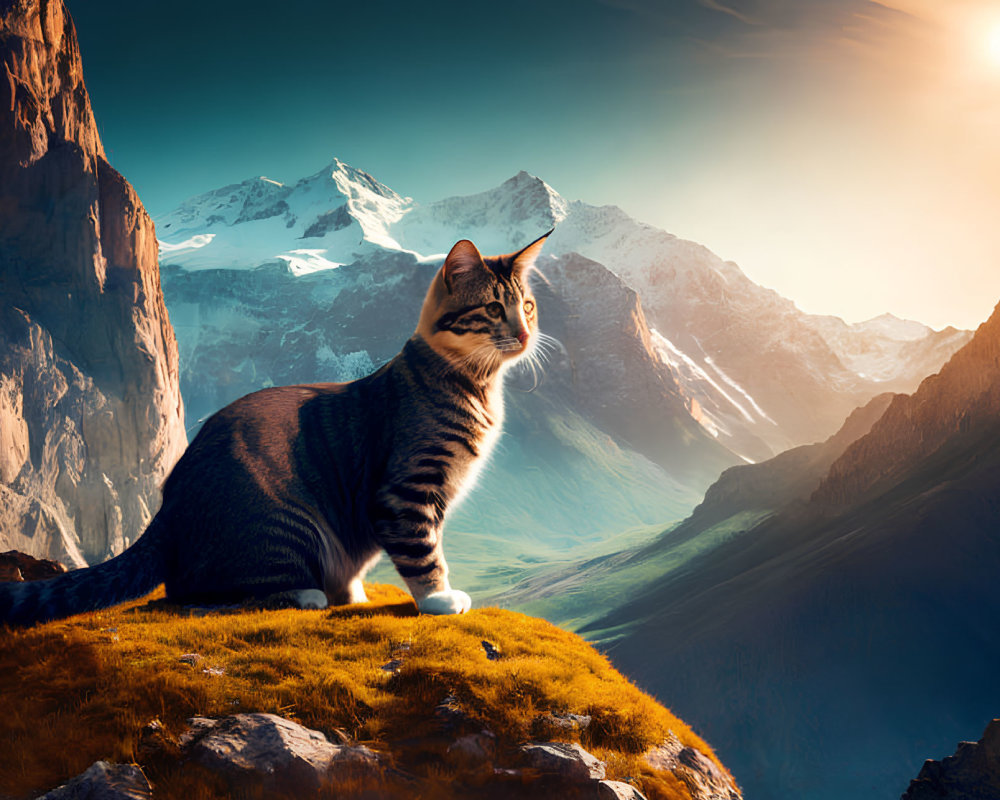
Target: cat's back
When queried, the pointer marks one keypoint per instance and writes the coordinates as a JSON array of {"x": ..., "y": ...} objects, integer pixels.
[
  {"x": 264, "y": 417},
  {"x": 259, "y": 432}
]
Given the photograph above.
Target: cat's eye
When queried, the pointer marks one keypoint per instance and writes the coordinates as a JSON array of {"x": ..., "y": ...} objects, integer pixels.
[
  {"x": 495, "y": 310},
  {"x": 529, "y": 307}
]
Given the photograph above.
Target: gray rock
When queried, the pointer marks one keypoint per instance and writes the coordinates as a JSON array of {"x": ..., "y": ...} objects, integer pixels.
[
  {"x": 104, "y": 781},
  {"x": 450, "y": 712},
  {"x": 557, "y": 719},
  {"x": 566, "y": 759},
  {"x": 268, "y": 748},
  {"x": 474, "y": 746},
  {"x": 701, "y": 775},
  {"x": 618, "y": 790},
  {"x": 492, "y": 651},
  {"x": 973, "y": 773}
]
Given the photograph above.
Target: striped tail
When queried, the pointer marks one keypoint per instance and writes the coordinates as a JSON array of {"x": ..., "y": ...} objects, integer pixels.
[{"x": 137, "y": 571}]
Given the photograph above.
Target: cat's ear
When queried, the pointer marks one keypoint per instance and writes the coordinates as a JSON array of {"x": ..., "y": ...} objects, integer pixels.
[
  {"x": 524, "y": 259},
  {"x": 463, "y": 259}
]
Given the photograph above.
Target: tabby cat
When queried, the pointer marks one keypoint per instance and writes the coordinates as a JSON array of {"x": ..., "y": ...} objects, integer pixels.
[{"x": 288, "y": 495}]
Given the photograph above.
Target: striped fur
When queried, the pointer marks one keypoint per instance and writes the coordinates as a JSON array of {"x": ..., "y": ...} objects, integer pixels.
[{"x": 291, "y": 493}]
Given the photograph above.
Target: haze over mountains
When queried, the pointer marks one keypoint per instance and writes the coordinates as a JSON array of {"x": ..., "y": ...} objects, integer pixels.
[{"x": 758, "y": 374}]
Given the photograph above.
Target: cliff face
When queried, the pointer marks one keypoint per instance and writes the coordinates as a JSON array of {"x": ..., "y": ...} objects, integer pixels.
[
  {"x": 90, "y": 410},
  {"x": 973, "y": 772},
  {"x": 614, "y": 374},
  {"x": 960, "y": 403}
]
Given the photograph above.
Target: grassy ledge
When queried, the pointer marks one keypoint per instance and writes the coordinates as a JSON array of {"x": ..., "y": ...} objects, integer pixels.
[{"x": 81, "y": 689}]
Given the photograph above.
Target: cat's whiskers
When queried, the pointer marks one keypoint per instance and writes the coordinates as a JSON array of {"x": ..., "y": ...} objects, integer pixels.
[{"x": 483, "y": 359}]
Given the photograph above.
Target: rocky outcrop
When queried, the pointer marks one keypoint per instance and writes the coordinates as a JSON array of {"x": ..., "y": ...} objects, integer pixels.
[
  {"x": 90, "y": 411},
  {"x": 15, "y": 566},
  {"x": 565, "y": 759},
  {"x": 255, "y": 749},
  {"x": 973, "y": 773},
  {"x": 250, "y": 752},
  {"x": 104, "y": 781},
  {"x": 699, "y": 773}
]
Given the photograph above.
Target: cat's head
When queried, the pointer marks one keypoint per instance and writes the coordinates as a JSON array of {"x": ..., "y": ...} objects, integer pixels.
[{"x": 479, "y": 311}]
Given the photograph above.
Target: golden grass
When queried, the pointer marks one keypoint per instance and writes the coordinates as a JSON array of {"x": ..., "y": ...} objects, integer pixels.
[{"x": 79, "y": 690}]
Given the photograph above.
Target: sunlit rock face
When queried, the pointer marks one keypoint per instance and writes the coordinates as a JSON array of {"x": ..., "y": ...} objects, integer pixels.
[
  {"x": 961, "y": 402},
  {"x": 90, "y": 409}
]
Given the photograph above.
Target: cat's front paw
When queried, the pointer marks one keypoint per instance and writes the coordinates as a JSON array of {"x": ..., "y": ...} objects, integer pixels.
[{"x": 450, "y": 601}]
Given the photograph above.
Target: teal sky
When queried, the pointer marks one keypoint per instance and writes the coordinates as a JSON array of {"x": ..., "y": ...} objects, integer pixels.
[{"x": 841, "y": 151}]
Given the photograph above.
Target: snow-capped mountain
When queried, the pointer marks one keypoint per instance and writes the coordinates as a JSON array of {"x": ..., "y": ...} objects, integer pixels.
[
  {"x": 887, "y": 349},
  {"x": 758, "y": 374},
  {"x": 323, "y": 221}
]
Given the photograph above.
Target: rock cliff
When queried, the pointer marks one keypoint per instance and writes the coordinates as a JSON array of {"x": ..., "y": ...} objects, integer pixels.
[
  {"x": 973, "y": 773},
  {"x": 90, "y": 409}
]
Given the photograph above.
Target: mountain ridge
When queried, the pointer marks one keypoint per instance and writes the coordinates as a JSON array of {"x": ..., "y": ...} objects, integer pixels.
[
  {"x": 962, "y": 397},
  {"x": 758, "y": 374}
]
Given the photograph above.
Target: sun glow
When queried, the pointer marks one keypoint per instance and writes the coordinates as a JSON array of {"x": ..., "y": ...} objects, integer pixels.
[{"x": 993, "y": 46}]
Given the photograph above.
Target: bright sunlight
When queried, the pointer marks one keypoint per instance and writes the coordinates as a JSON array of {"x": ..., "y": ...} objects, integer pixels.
[{"x": 994, "y": 46}]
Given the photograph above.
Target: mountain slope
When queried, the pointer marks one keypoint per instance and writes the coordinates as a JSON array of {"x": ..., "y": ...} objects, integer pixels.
[
  {"x": 818, "y": 634},
  {"x": 580, "y": 593},
  {"x": 90, "y": 410},
  {"x": 322, "y": 221}
]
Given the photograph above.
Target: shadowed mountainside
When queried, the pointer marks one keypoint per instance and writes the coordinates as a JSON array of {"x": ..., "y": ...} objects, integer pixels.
[
  {"x": 582, "y": 591},
  {"x": 828, "y": 648}
]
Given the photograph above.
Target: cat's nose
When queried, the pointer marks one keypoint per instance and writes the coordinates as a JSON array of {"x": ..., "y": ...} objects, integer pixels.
[{"x": 522, "y": 337}]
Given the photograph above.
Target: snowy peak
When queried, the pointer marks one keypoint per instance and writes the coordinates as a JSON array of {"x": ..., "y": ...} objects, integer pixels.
[
  {"x": 339, "y": 192},
  {"x": 892, "y": 327},
  {"x": 256, "y": 198},
  {"x": 514, "y": 213},
  {"x": 759, "y": 374},
  {"x": 886, "y": 349},
  {"x": 327, "y": 219},
  {"x": 956, "y": 408}
]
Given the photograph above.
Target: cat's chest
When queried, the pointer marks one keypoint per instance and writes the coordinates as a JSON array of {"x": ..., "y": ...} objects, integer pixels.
[
  {"x": 488, "y": 436},
  {"x": 470, "y": 446}
]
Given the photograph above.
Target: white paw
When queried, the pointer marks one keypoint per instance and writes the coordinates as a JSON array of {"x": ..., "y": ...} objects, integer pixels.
[
  {"x": 450, "y": 601},
  {"x": 356, "y": 592},
  {"x": 311, "y": 599}
]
